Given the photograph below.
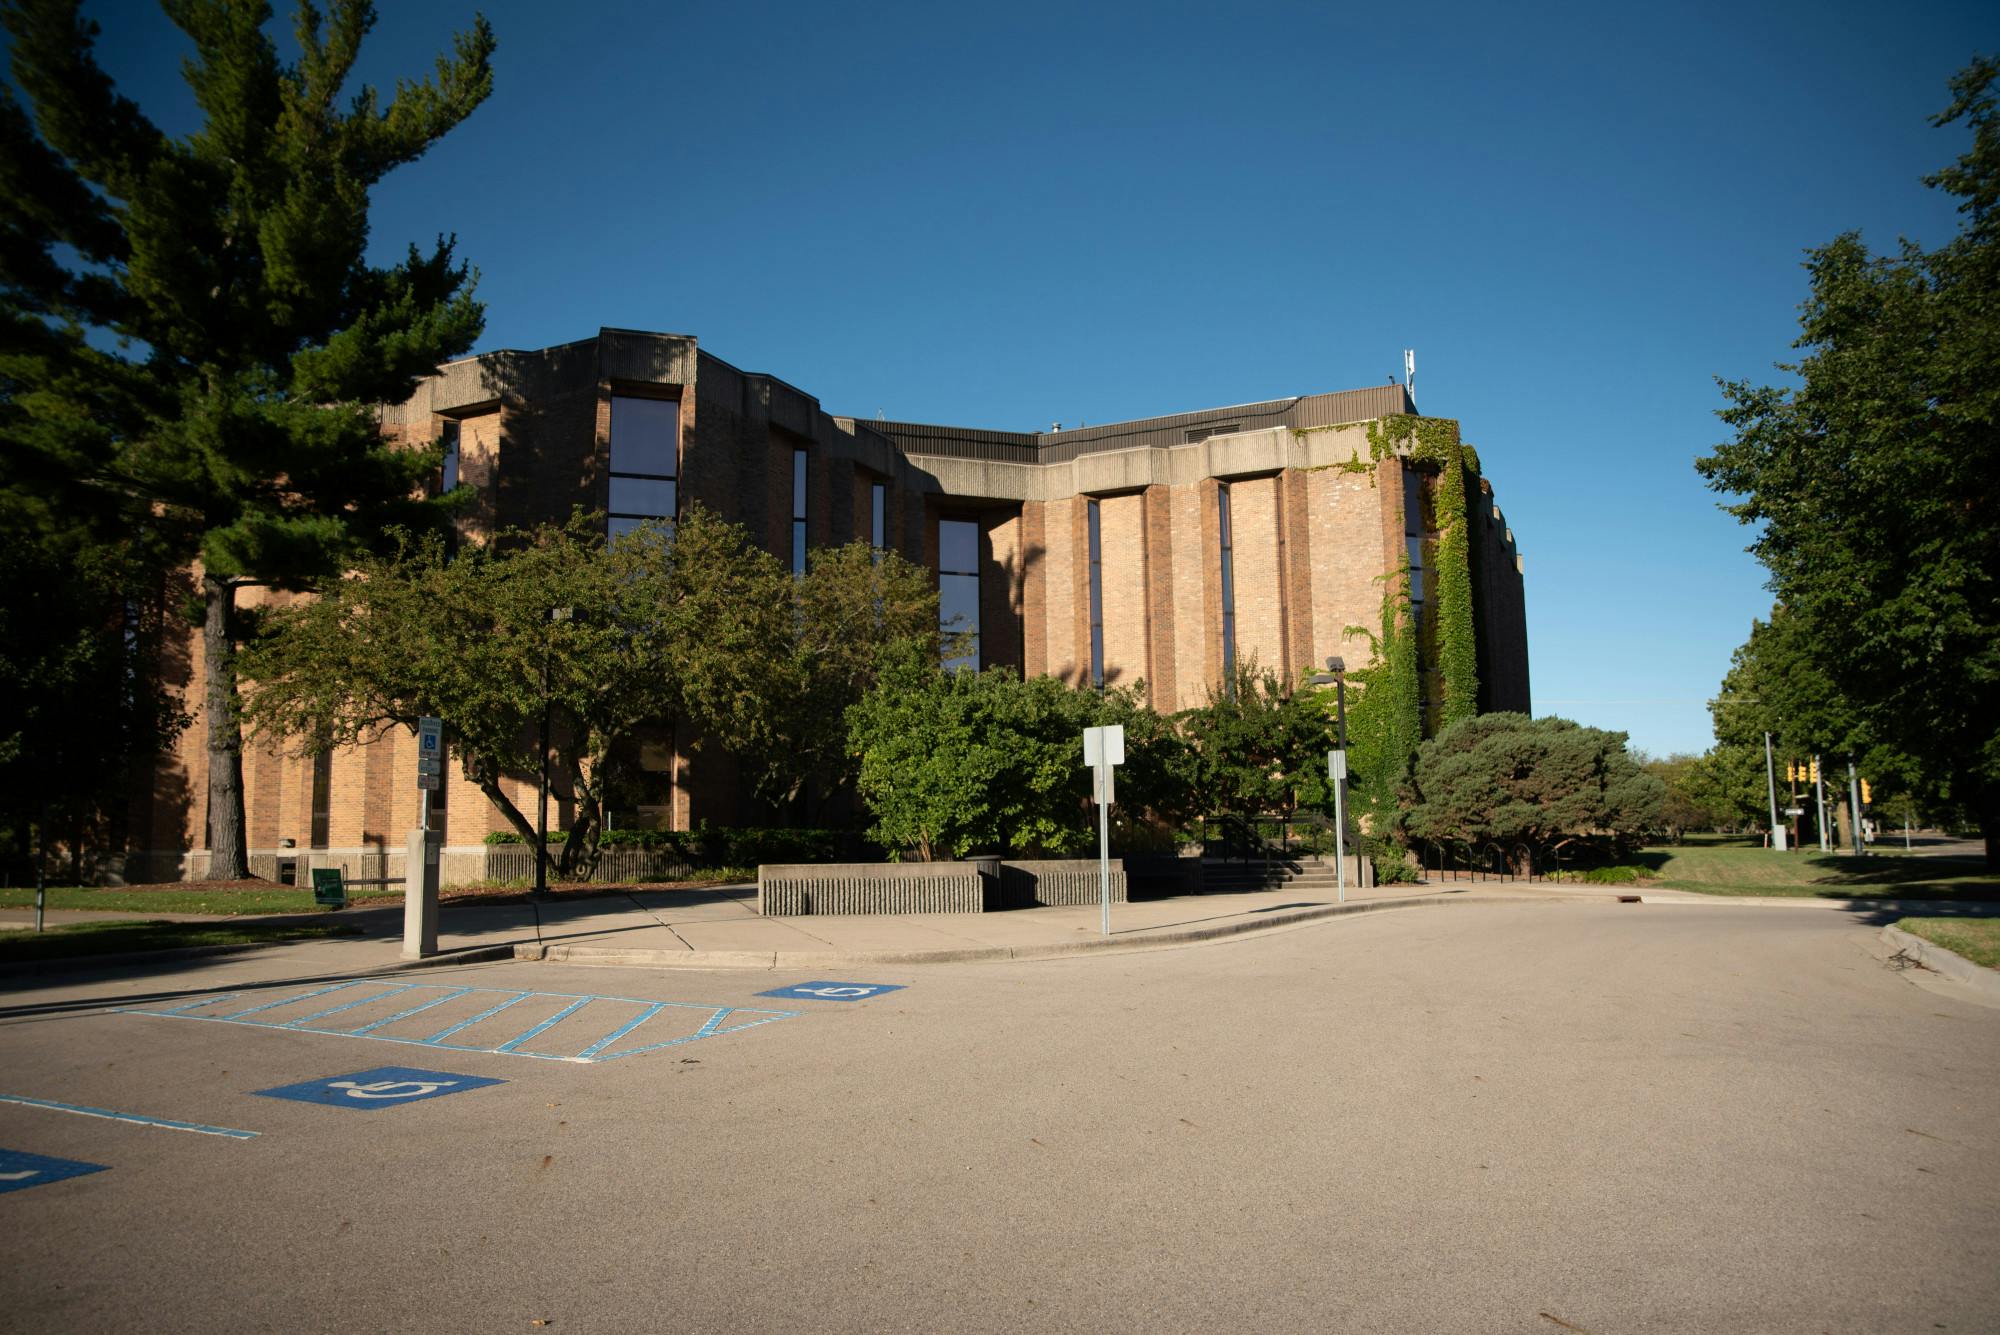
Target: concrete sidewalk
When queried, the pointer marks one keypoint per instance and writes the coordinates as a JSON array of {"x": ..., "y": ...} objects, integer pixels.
[{"x": 719, "y": 927}]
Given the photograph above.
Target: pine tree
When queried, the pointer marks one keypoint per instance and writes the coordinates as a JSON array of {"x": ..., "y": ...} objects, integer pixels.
[{"x": 228, "y": 271}]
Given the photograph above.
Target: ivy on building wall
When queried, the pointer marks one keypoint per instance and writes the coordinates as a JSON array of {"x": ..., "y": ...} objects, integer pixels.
[
  {"x": 1433, "y": 443},
  {"x": 1384, "y": 724}
]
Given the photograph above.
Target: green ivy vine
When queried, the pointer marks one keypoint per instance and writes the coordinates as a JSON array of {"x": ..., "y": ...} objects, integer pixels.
[
  {"x": 1384, "y": 724},
  {"x": 1433, "y": 443}
]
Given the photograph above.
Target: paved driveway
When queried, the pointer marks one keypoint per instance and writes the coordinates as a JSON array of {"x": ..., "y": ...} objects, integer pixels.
[{"x": 1504, "y": 1117}]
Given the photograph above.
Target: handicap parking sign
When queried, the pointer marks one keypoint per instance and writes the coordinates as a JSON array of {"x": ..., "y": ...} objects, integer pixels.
[
  {"x": 834, "y": 991},
  {"x": 20, "y": 1170},
  {"x": 383, "y": 1087}
]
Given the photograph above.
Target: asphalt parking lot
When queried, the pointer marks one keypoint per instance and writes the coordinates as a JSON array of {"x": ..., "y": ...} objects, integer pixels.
[{"x": 1530, "y": 1117}]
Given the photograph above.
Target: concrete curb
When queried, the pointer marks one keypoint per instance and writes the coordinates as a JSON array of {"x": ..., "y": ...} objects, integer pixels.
[
  {"x": 819, "y": 959},
  {"x": 1948, "y": 963}
]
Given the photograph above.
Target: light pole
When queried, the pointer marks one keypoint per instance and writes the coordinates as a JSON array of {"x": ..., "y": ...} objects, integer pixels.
[
  {"x": 1336, "y": 672},
  {"x": 556, "y": 614}
]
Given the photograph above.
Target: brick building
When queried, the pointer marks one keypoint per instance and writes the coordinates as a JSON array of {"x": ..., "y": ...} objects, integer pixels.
[{"x": 1163, "y": 549}]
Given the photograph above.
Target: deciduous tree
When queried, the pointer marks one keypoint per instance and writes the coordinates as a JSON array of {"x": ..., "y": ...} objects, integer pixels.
[
  {"x": 654, "y": 626},
  {"x": 1872, "y": 479}
]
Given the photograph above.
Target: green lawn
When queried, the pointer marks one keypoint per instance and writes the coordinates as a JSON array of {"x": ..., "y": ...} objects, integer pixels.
[
  {"x": 1730, "y": 868},
  {"x": 236, "y": 898},
  {"x": 196, "y": 898},
  {"x": 73, "y": 940},
  {"x": 1978, "y": 939}
]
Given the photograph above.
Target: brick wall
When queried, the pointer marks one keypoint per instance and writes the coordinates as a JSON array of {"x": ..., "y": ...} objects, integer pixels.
[
  {"x": 1260, "y": 594},
  {"x": 1127, "y": 647},
  {"x": 1346, "y": 528},
  {"x": 1499, "y": 609}
]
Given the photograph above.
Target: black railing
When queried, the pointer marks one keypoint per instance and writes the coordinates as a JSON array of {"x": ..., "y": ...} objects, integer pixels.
[
  {"x": 1235, "y": 836},
  {"x": 1452, "y": 860}
]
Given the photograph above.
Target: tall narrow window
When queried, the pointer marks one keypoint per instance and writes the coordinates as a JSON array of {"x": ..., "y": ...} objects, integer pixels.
[
  {"x": 1228, "y": 592},
  {"x": 1414, "y": 532},
  {"x": 798, "y": 512},
  {"x": 645, "y": 461},
  {"x": 1096, "y": 525},
  {"x": 878, "y": 518},
  {"x": 958, "y": 589},
  {"x": 322, "y": 796},
  {"x": 448, "y": 437}
]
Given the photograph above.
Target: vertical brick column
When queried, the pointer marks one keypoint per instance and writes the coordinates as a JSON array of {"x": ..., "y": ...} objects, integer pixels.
[
  {"x": 1299, "y": 553},
  {"x": 1034, "y": 591},
  {"x": 1161, "y": 639},
  {"x": 1079, "y": 588}
]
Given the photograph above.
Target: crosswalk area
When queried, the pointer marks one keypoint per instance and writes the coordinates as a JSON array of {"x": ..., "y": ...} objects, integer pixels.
[{"x": 549, "y": 1026}]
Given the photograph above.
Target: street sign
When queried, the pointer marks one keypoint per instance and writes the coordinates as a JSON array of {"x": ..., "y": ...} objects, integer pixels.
[
  {"x": 383, "y": 1087},
  {"x": 1104, "y": 751},
  {"x": 1336, "y": 765},
  {"x": 430, "y": 753},
  {"x": 1104, "y": 746},
  {"x": 1795, "y": 811},
  {"x": 834, "y": 991},
  {"x": 20, "y": 1170}
]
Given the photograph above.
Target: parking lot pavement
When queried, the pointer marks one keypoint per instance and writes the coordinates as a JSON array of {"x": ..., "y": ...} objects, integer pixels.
[{"x": 1615, "y": 1117}]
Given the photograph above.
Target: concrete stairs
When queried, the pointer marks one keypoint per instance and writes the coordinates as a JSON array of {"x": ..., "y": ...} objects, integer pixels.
[{"x": 1304, "y": 872}]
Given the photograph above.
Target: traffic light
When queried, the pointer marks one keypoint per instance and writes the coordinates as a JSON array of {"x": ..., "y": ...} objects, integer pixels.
[
  {"x": 1791, "y": 772},
  {"x": 1815, "y": 771},
  {"x": 1866, "y": 796}
]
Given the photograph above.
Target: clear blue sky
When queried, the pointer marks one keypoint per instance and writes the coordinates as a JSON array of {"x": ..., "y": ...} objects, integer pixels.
[{"x": 1006, "y": 215}]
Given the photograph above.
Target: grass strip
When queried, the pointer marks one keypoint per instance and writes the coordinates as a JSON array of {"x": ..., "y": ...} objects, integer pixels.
[
  {"x": 1712, "y": 870},
  {"x": 222, "y": 901},
  {"x": 1977, "y": 939},
  {"x": 77, "y": 939}
]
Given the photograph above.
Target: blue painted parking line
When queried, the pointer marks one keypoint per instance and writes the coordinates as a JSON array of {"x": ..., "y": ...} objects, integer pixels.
[
  {"x": 451, "y": 995},
  {"x": 446, "y": 1032},
  {"x": 252, "y": 1010},
  {"x": 550, "y": 1026},
  {"x": 382, "y": 1087},
  {"x": 834, "y": 991},
  {"x": 20, "y": 1170},
  {"x": 136, "y": 1119}
]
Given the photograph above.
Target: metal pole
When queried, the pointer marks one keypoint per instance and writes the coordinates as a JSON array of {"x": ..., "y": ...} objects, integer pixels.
[
  {"x": 1819, "y": 783},
  {"x": 542, "y": 798},
  {"x": 1771, "y": 787},
  {"x": 1104, "y": 844},
  {"x": 1340, "y": 740},
  {"x": 1339, "y": 836},
  {"x": 1854, "y": 807}
]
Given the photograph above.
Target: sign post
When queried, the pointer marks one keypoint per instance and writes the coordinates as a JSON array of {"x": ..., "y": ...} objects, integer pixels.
[
  {"x": 420, "y": 858},
  {"x": 1336, "y": 769},
  {"x": 1104, "y": 751}
]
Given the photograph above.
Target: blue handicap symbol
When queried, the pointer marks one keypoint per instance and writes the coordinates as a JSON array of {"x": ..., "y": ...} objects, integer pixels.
[
  {"x": 383, "y": 1087},
  {"x": 20, "y": 1170},
  {"x": 834, "y": 991}
]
